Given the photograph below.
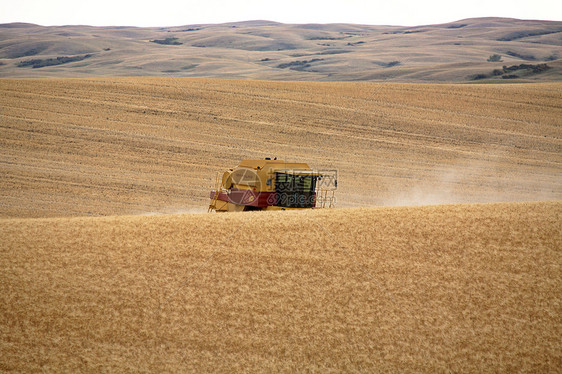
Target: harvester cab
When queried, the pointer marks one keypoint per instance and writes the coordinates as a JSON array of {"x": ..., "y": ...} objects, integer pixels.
[{"x": 272, "y": 185}]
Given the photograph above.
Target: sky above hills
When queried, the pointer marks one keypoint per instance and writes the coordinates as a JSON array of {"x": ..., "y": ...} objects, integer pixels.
[{"x": 185, "y": 12}]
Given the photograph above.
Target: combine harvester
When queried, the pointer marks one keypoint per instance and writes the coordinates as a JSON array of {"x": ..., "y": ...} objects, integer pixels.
[{"x": 272, "y": 185}]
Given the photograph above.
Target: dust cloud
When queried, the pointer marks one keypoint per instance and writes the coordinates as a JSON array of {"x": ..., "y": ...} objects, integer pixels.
[{"x": 477, "y": 181}]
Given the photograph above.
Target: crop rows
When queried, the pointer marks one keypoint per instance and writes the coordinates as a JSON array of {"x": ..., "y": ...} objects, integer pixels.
[{"x": 140, "y": 145}]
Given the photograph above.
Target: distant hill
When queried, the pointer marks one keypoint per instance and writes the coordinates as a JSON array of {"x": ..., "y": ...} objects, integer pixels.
[{"x": 480, "y": 49}]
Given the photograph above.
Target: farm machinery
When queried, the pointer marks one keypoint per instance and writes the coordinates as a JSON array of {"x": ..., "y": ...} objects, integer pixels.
[{"x": 272, "y": 184}]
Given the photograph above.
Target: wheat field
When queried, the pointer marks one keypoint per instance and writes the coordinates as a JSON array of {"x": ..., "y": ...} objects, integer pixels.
[
  {"x": 113, "y": 146},
  {"x": 105, "y": 267},
  {"x": 467, "y": 288}
]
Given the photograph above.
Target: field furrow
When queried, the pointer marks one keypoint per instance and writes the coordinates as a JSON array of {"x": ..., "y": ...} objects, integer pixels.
[{"x": 389, "y": 142}]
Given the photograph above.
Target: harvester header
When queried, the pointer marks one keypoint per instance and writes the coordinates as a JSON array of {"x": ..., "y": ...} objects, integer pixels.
[{"x": 272, "y": 185}]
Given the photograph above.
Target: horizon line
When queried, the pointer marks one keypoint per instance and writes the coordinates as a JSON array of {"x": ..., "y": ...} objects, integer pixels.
[{"x": 277, "y": 22}]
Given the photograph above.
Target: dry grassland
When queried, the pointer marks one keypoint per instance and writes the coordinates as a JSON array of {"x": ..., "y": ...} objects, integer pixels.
[
  {"x": 452, "y": 52},
  {"x": 467, "y": 288},
  {"x": 113, "y": 146}
]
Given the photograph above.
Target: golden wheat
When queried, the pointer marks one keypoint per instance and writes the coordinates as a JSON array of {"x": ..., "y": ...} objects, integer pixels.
[
  {"x": 447, "y": 288},
  {"x": 441, "y": 288}
]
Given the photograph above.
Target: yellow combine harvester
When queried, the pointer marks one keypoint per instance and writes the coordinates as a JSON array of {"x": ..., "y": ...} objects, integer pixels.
[{"x": 272, "y": 185}]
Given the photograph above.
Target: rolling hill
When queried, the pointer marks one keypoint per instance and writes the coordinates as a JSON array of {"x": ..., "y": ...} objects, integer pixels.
[{"x": 451, "y": 52}]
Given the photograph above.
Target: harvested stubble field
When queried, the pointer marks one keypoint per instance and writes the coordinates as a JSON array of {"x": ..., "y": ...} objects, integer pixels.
[
  {"x": 468, "y": 287},
  {"x": 112, "y": 146},
  {"x": 444, "y": 288}
]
